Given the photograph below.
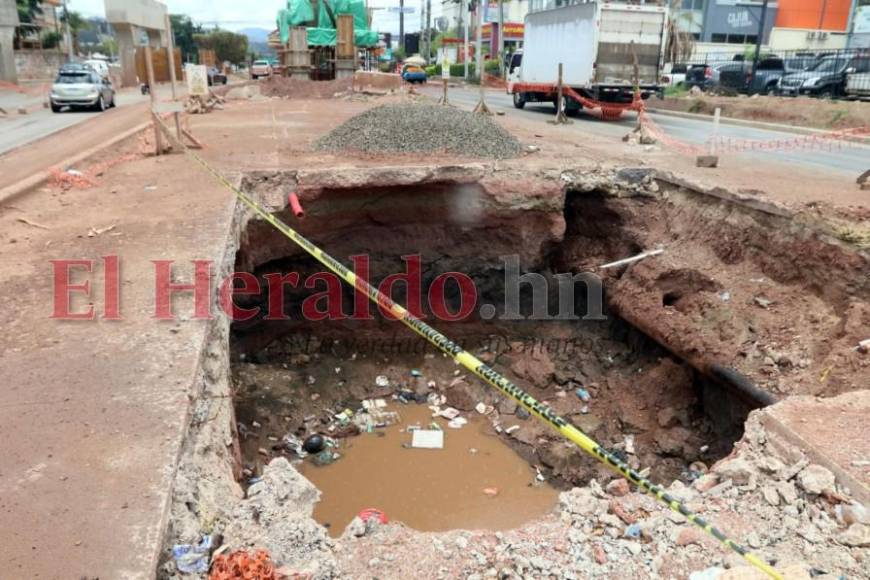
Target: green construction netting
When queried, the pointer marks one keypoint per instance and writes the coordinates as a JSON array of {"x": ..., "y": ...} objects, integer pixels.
[{"x": 301, "y": 12}]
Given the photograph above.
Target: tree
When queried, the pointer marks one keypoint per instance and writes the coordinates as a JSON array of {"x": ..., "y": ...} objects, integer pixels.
[
  {"x": 74, "y": 21},
  {"x": 28, "y": 12},
  {"x": 680, "y": 44},
  {"x": 184, "y": 31},
  {"x": 227, "y": 46}
]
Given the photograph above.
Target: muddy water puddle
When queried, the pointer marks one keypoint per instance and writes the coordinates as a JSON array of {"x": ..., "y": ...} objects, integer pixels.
[{"x": 474, "y": 482}]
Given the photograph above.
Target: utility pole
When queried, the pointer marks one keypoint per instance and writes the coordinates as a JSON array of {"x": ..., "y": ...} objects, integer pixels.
[
  {"x": 500, "y": 38},
  {"x": 758, "y": 41},
  {"x": 402, "y": 25},
  {"x": 67, "y": 34},
  {"x": 465, "y": 19},
  {"x": 478, "y": 52},
  {"x": 428, "y": 30}
]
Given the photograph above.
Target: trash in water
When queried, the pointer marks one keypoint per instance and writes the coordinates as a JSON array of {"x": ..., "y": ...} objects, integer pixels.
[
  {"x": 293, "y": 444},
  {"x": 382, "y": 381},
  {"x": 632, "y": 531},
  {"x": 457, "y": 423},
  {"x": 374, "y": 404},
  {"x": 369, "y": 513},
  {"x": 538, "y": 475},
  {"x": 629, "y": 444},
  {"x": 311, "y": 379},
  {"x": 436, "y": 399},
  {"x": 511, "y": 429},
  {"x": 584, "y": 410},
  {"x": 725, "y": 296},
  {"x": 427, "y": 439},
  {"x": 490, "y": 491},
  {"x": 192, "y": 558},
  {"x": 314, "y": 444},
  {"x": 416, "y": 373},
  {"x": 344, "y": 416},
  {"x": 522, "y": 413},
  {"x": 583, "y": 394},
  {"x": 449, "y": 413},
  {"x": 326, "y": 457},
  {"x": 480, "y": 408},
  {"x": 435, "y": 426}
]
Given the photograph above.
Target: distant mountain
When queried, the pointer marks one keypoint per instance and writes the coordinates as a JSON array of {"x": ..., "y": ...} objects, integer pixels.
[{"x": 255, "y": 35}]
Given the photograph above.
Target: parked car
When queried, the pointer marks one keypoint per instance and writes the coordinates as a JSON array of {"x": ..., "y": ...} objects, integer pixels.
[
  {"x": 98, "y": 65},
  {"x": 412, "y": 73},
  {"x": 827, "y": 78},
  {"x": 770, "y": 70},
  {"x": 216, "y": 77},
  {"x": 261, "y": 68},
  {"x": 725, "y": 76},
  {"x": 858, "y": 85},
  {"x": 81, "y": 88},
  {"x": 674, "y": 74}
]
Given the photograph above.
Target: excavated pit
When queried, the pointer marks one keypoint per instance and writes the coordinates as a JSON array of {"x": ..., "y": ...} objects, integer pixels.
[
  {"x": 292, "y": 377},
  {"x": 748, "y": 303}
]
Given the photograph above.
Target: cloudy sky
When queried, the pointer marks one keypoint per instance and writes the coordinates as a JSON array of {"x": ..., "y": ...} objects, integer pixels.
[{"x": 233, "y": 14}]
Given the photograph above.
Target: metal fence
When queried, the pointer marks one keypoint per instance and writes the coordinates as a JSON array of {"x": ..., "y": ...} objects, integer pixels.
[{"x": 833, "y": 74}]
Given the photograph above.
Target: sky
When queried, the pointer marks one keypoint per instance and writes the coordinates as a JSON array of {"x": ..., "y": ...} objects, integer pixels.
[{"x": 234, "y": 15}]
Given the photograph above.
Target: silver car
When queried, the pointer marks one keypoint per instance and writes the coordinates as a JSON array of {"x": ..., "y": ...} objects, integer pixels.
[{"x": 81, "y": 88}]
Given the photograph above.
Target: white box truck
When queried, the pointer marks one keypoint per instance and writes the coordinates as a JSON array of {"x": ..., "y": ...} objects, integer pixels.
[{"x": 597, "y": 43}]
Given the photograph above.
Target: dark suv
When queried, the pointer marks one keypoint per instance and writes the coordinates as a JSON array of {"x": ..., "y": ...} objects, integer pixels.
[
  {"x": 827, "y": 78},
  {"x": 770, "y": 70}
]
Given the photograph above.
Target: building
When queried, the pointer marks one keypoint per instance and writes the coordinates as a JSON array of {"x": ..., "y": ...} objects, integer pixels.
[{"x": 514, "y": 15}]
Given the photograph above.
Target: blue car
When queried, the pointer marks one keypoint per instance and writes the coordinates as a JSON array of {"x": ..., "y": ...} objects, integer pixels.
[{"x": 411, "y": 73}]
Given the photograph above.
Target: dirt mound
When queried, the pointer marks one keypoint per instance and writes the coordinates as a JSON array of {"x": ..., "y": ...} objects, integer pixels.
[
  {"x": 419, "y": 128},
  {"x": 291, "y": 88}
]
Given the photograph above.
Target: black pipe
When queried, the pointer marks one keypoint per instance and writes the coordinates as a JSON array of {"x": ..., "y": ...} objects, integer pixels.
[{"x": 742, "y": 385}]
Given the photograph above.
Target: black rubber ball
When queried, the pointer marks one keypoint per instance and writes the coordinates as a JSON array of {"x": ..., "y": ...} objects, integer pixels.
[{"x": 314, "y": 444}]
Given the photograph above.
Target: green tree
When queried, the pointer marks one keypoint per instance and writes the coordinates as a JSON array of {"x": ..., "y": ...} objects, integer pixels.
[
  {"x": 183, "y": 32},
  {"x": 28, "y": 12},
  {"x": 227, "y": 46},
  {"x": 74, "y": 21}
]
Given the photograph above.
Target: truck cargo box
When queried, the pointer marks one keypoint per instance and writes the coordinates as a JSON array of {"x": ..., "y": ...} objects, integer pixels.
[{"x": 596, "y": 42}]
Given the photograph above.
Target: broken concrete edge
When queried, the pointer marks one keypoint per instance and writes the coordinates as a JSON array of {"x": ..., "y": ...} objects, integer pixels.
[
  {"x": 857, "y": 489},
  {"x": 812, "y": 224},
  {"x": 797, "y": 129},
  {"x": 210, "y": 385},
  {"x": 24, "y": 186}
]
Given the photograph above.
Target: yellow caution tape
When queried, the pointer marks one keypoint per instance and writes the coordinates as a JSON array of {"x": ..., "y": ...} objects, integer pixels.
[{"x": 487, "y": 374}]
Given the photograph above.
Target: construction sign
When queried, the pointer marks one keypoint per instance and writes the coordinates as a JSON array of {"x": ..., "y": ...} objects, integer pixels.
[{"x": 197, "y": 79}]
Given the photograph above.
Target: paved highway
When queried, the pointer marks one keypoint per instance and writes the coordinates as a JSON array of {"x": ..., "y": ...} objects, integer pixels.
[
  {"x": 17, "y": 130},
  {"x": 851, "y": 159}
]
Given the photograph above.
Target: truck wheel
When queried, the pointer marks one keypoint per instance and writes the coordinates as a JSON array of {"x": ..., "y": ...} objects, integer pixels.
[{"x": 519, "y": 100}]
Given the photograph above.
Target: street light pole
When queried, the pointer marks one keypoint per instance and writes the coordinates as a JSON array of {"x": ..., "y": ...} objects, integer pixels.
[
  {"x": 402, "y": 25},
  {"x": 465, "y": 40}
]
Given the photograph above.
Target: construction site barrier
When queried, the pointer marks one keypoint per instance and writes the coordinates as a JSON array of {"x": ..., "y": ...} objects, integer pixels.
[
  {"x": 475, "y": 366},
  {"x": 824, "y": 140}
]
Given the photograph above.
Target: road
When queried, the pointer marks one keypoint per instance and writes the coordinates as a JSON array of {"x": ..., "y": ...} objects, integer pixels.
[
  {"x": 18, "y": 130},
  {"x": 851, "y": 160}
]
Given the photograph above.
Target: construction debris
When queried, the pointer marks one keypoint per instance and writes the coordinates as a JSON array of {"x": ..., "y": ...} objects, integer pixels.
[
  {"x": 196, "y": 104},
  {"x": 422, "y": 128}
]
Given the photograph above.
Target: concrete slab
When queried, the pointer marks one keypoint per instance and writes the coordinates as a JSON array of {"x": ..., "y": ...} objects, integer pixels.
[{"x": 829, "y": 432}]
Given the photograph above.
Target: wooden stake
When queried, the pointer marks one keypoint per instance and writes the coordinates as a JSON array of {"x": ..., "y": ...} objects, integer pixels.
[
  {"x": 149, "y": 69},
  {"x": 561, "y": 118}
]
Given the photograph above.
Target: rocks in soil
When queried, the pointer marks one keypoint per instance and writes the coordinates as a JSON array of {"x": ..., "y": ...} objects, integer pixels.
[
  {"x": 276, "y": 516},
  {"x": 815, "y": 479},
  {"x": 421, "y": 128}
]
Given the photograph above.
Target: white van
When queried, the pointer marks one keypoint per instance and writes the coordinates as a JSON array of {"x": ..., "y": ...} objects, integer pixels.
[{"x": 98, "y": 65}]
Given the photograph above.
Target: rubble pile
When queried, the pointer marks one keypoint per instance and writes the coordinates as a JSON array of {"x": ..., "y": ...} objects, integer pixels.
[
  {"x": 197, "y": 105},
  {"x": 422, "y": 128},
  {"x": 768, "y": 496},
  {"x": 293, "y": 88}
]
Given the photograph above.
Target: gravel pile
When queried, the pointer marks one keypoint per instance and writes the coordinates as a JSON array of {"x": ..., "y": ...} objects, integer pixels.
[{"x": 419, "y": 128}]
